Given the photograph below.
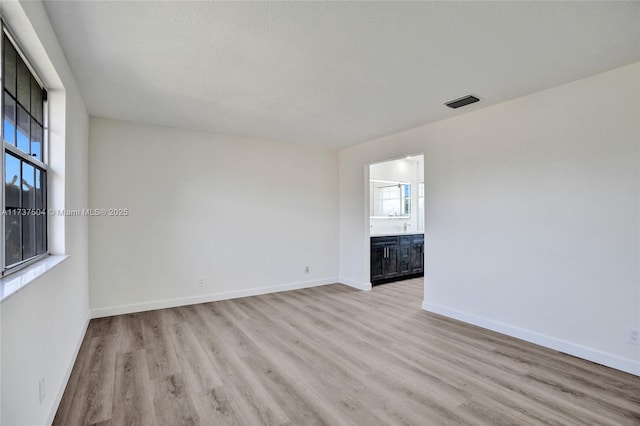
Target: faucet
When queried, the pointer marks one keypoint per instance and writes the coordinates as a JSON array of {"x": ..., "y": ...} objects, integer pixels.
[{"x": 406, "y": 225}]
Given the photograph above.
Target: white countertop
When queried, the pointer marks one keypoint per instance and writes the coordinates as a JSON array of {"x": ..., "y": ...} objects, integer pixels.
[{"x": 393, "y": 234}]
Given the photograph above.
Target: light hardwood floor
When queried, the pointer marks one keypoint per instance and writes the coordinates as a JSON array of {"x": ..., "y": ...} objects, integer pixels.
[{"x": 330, "y": 355}]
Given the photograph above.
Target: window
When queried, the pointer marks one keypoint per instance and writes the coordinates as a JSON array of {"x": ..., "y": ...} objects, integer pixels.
[{"x": 24, "y": 134}]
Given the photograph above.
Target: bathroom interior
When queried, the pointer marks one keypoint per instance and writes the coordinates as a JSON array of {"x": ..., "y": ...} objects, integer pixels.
[{"x": 396, "y": 221}]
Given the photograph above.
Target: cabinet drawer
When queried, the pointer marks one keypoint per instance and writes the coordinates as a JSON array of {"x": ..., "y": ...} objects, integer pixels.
[{"x": 384, "y": 240}]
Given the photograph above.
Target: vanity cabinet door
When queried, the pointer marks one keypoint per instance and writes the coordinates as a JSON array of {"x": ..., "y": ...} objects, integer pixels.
[
  {"x": 378, "y": 259},
  {"x": 405, "y": 255},
  {"x": 385, "y": 256},
  {"x": 393, "y": 260},
  {"x": 417, "y": 254}
]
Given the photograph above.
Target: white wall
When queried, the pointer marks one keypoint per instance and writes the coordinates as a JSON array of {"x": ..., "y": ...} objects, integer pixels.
[
  {"x": 245, "y": 215},
  {"x": 403, "y": 170},
  {"x": 43, "y": 324},
  {"x": 532, "y": 215}
]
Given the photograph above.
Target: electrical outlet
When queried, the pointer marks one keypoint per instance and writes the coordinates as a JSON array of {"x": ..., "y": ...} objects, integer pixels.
[
  {"x": 634, "y": 336},
  {"x": 201, "y": 282},
  {"x": 306, "y": 269},
  {"x": 42, "y": 391}
]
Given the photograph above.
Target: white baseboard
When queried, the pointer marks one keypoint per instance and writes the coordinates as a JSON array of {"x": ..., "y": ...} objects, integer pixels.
[
  {"x": 67, "y": 374},
  {"x": 225, "y": 295},
  {"x": 355, "y": 284},
  {"x": 604, "y": 358}
]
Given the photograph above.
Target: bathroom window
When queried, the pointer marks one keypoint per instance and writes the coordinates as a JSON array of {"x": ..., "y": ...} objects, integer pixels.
[{"x": 24, "y": 133}]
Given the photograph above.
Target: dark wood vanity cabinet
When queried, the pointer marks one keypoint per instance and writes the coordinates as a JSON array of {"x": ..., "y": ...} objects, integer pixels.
[
  {"x": 405, "y": 254},
  {"x": 384, "y": 258},
  {"x": 396, "y": 257},
  {"x": 417, "y": 254}
]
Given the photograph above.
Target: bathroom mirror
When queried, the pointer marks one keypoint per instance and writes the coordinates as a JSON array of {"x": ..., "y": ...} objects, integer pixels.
[{"x": 389, "y": 199}]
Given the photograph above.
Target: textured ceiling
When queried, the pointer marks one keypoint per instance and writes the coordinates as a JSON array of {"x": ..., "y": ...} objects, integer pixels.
[{"x": 328, "y": 73}]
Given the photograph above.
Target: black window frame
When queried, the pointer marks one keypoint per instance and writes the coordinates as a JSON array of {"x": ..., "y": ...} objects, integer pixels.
[{"x": 24, "y": 130}]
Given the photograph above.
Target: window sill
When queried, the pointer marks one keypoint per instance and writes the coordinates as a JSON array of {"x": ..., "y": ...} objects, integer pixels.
[{"x": 15, "y": 282}]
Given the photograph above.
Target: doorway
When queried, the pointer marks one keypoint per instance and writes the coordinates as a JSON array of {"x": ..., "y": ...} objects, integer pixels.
[{"x": 396, "y": 212}]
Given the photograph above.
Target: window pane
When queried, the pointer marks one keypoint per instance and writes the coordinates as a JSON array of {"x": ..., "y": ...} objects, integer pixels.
[
  {"x": 28, "y": 202},
  {"x": 12, "y": 240},
  {"x": 9, "y": 122},
  {"x": 36, "y": 140},
  {"x": 38, "y": 189},
  {"x": 23, "y": 129},
  {"x": 9, "y": 66},
  {"x": 13, "y": 237},
  {"x": 28, "y": 186},
  {"x": 24, "y": 84},
  {"x": 41, "y": 219},
  {"x": 12, "y": 179},
  {"x": 36, "y": 101}
]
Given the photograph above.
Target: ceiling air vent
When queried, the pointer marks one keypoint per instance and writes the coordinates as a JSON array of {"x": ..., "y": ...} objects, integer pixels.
[{"x": 460, "y": 102}]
